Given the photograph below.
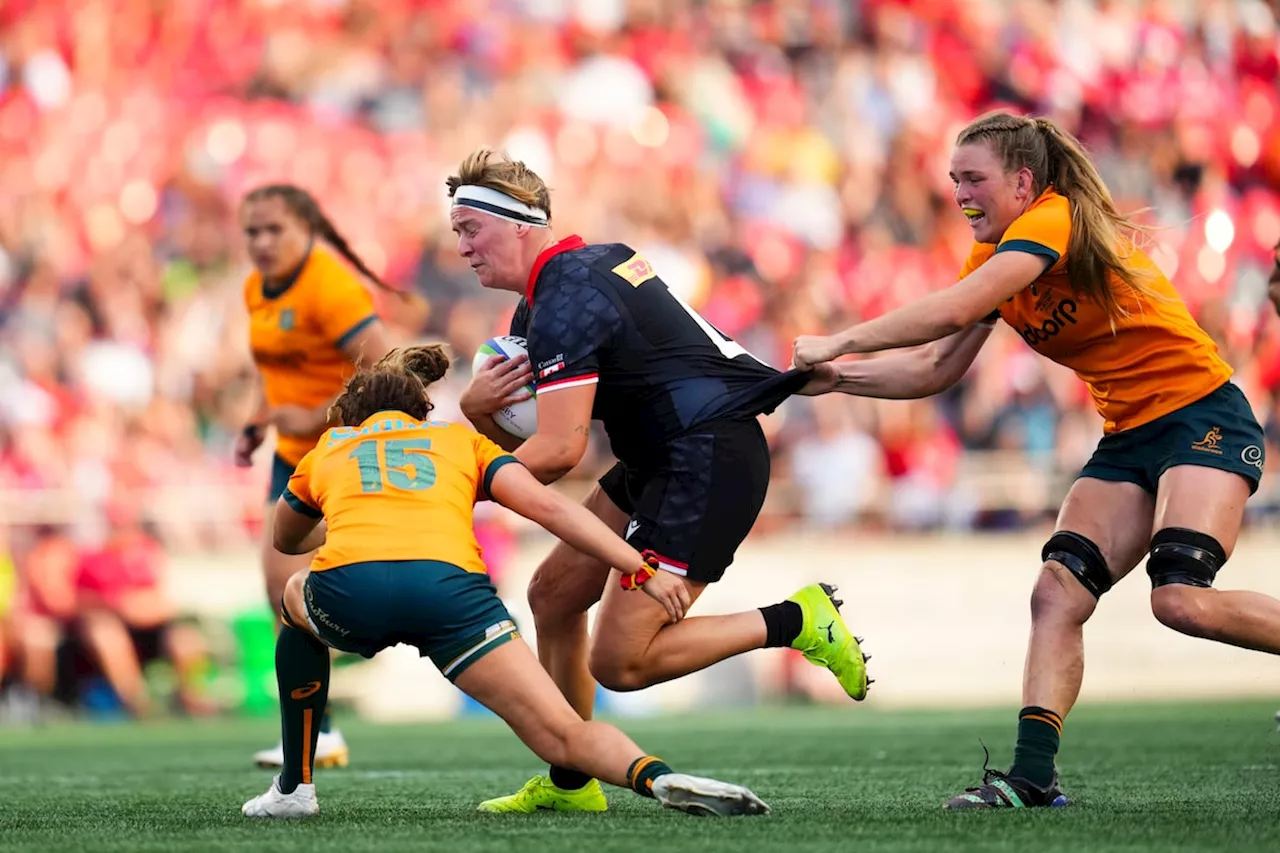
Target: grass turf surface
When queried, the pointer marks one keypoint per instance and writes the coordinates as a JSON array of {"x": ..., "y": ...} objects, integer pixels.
[{"x": 1154, "y": 777}]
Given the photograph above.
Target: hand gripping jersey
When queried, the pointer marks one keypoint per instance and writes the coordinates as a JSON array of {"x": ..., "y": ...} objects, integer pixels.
[
  {"x": 297, "y": 333},
  {"x": 396, "y": 488},
  {"x": 1156, "y": 361},
  {"x": 600, "y": 314}
]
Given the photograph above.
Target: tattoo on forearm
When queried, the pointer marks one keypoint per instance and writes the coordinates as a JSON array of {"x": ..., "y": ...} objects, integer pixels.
[{"x": 584, "y": 429}]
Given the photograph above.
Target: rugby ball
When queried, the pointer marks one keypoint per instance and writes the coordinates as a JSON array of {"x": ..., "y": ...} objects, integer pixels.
[{"x": 521, "y": 419}]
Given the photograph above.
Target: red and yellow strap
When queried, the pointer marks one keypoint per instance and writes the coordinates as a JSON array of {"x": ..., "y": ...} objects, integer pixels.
[{"x": 647, "y": 570}]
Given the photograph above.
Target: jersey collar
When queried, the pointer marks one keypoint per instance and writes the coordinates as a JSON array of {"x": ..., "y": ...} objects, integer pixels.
[
  {"x": 270, "y": 292},
  {"x": 383, "y": 414},
  {"x": 568, "y": 244}
]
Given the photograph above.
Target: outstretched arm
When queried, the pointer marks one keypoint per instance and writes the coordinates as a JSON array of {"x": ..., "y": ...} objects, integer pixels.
[
  {"x": 516, "y": 489},
  {"x": 932, "y": 318},
  {"x": 914, "y": 373}
]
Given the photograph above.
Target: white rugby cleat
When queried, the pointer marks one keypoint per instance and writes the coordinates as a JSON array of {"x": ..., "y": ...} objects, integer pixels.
[
  {"x": 331, "y": 751},
  {"x": 706, "y": 797},
  {"x": 301, "y": 803}
]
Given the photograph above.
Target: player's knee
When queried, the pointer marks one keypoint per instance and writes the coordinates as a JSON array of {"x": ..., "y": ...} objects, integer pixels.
[
  {"x": 1058, "y": 597},
  {"x": 1182, "y": 566},
  {"x": 541, "y": 592},
  {"x": 1186, "y": 609},
  {"x": 617, "y": 673},
  {"x": 1082, "y": 559},
  {"x": 564, "y": 585},
  {"x": 1182, "y": 557}
]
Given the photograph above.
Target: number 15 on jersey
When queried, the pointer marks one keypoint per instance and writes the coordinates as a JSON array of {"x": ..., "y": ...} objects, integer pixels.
[{"x": 398, "y": 463}]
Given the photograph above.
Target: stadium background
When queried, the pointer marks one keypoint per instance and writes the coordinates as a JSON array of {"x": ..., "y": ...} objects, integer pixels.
[{"x": 783, "y": 164}]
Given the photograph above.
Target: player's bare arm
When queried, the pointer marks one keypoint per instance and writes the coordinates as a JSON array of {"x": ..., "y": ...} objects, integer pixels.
[
  {"x": 295, "y": 533},
  {"x": 913, "y": 373},
  {"x": 254, "y": 431},
  {"x": 516, "y": 489},
  {"x": 937, "y": 316},
  {"x": 564, "y": 425}
]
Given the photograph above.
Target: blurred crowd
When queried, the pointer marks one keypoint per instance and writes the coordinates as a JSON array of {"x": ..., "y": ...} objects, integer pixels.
[{"x": 783, "y": 164}]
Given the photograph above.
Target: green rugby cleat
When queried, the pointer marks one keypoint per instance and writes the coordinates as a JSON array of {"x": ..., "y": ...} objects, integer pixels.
[
  {"x": 539, "y": 794},
  {"x": 826, "y": 641}
]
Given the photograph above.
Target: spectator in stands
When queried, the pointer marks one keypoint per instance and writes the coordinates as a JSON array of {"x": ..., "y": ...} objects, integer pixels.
[
  {"x": 45, "y": 615},
  {"x": 127, "y": 620}
]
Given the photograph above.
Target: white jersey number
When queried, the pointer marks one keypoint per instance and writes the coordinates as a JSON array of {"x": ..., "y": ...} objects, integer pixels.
[{"x": 730, "y": 348}]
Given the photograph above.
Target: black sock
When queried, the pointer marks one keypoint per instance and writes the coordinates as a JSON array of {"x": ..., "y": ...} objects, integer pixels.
[
  {"x": 1039, "y": 731},
  {"x": 326, "y": 719},
  {"x": 568, "y": 780},
  {"x": 782, "y": 624},
  {"x": 642, "y": 773},
  {"x": 302, "y": 673}
]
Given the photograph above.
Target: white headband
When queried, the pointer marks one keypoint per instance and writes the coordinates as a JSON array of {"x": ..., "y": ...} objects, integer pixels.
[{"x": 499, "y": 204}]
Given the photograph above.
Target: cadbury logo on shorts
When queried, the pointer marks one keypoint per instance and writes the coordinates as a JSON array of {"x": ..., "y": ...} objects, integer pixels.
[
  {"x": 1063, "y": 315},
  {"x": 1253, "y": 455}
]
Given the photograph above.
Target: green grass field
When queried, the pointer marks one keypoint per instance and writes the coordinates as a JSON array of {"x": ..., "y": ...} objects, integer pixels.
[{"x": 1159, "y": 778}]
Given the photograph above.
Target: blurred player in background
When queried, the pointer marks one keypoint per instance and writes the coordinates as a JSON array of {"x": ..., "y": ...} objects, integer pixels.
[
  {"x": 1181, "y": 450},
  {"x": 399, "y": 563},
  {"x": 311, "y": 322},
  {"x": 679, "y": 400},
  {"x": 1273, "y": 292}
]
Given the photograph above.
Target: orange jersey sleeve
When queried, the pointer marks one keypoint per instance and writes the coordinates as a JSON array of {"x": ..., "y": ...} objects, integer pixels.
[
  {"x": 1154, "y": 361},
  {"x": 1043, "y": 230},
  {"x": 297, "y": 335},
  {"x": 396, "y": 488},
  {"x": 343, "y": 307},
  {"x": 297, "y": 494},
  {"x": 489, "y": 458}
]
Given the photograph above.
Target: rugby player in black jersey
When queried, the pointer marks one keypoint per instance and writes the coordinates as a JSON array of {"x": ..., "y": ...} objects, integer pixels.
[{"x": 608, "y": 341}]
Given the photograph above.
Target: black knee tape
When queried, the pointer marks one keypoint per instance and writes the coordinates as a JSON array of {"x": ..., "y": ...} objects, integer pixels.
[
  {"x": 1082, "y": 558},
  {"x": 1185, "y": 557},
  {"x": 284, "y": 614}
]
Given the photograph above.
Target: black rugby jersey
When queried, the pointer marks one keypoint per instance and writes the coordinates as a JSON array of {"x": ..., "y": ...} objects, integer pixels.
[{"x": 600, "y": 313}]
